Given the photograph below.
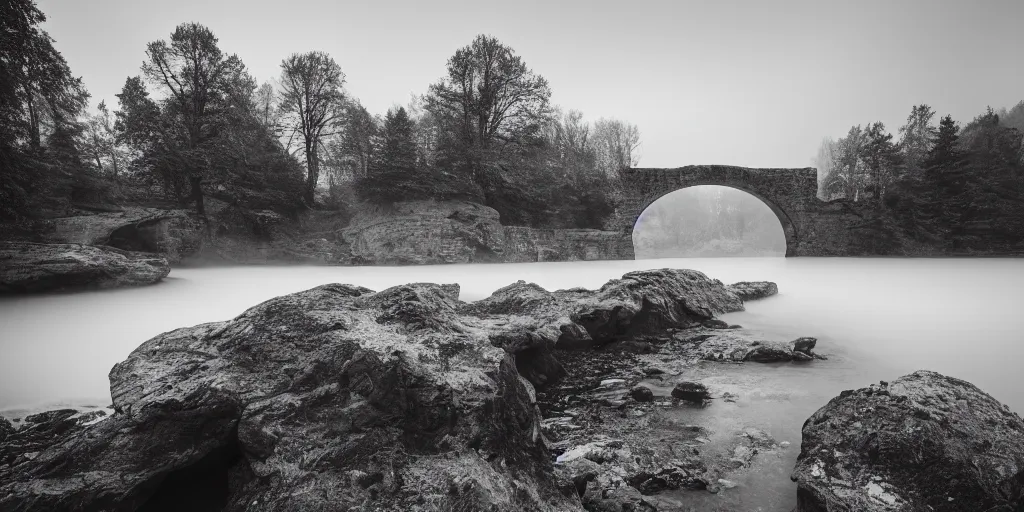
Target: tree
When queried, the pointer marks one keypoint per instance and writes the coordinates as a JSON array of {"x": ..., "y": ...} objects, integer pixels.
[
  {"x": 394, "y": 174},
  {"x": 491, "y": 102},
  {"x": 916, "y": 137},
  {"x": 882, "y": 159},
  {"x": 102, "y": 143},
  {"x": 40, "y": 102},
  {"x": 574, "y": 147},
  {"x": 356, "y": 140},
  {"x": 265, "y": 108},
  {"x": 199, "y": 80},
  {"x": 825, "y": 161},
  {"x": 616, "y": 144},
  {"x": 311, "y": 94},
  {"x": 849, "y": 174}
]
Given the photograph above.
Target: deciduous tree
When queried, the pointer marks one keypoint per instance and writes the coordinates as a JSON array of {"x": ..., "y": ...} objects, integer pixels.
[
  {"x": 311, "y": 95},
  {"x": 198, "y": 79}
]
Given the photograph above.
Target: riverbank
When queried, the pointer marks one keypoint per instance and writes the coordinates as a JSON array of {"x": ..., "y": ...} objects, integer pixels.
[{"x": 623, "y": 422}]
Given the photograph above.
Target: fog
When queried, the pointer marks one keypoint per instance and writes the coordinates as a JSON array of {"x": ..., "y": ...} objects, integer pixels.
[
  {"x": 708, "y": 221},
  {"x": 885, "y": 317}
]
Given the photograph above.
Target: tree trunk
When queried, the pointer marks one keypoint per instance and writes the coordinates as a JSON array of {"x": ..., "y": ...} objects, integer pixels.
[
  {"x": 312, "y": 175},
  {"x": 197, "y": 194}
]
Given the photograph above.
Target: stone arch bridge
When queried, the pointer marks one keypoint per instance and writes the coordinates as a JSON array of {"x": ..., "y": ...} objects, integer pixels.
[{"x": 812, "y": 227}]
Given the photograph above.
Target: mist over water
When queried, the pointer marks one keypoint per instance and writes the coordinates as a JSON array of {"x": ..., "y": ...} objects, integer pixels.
[{"x": 879, "y": 318}]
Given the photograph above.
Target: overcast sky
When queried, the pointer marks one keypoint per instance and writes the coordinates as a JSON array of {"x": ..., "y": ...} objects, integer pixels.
[{"x": 754, "y": 83}]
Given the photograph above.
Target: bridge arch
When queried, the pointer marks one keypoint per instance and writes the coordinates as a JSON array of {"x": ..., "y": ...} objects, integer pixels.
[
  {"x": 788, "y": 229},
  {"x": 787, "y": 192}
]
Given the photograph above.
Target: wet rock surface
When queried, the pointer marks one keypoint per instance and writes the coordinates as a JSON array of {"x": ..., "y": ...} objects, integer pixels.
[
  {"x": 753, "y": 290},
  {"x": 341, "y": 398},
  {"x": 738, "y": 345},
  {"x": 619, "y": 451},
  {"x": 922, "y": 442},
  {"x": 27, "y": 267}
]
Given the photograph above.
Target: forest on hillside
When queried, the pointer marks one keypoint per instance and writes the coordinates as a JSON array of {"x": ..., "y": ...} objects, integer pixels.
[
  {"x": 195, "y": 124},
  {"x": 956, "y": 188}
]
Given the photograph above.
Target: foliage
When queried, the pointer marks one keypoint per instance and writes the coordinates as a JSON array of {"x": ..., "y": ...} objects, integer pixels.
[
  {"x": 195, "y": 124},
  {"x": 311, "y": 96},
  {"x": 953, "y": 189},
  {"x": 394, "y": 173},
  {"x": 40, "y": 103}
]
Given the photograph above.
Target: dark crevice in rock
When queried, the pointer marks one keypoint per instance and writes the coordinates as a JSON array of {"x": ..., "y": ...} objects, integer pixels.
[
  {"x": 145, "y": 236},
  {"x": 539, "y": 366},
  {"x": 204, "y": 486}
]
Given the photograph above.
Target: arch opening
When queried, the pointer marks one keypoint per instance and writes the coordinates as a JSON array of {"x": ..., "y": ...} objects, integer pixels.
[{"x": 711, "y": 220}]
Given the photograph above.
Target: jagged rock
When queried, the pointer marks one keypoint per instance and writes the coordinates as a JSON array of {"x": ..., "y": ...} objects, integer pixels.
[
  {"x": 641, "y": 393},
  {"x": 389, "y": 398},
  {"x": 691, "y": 392},
  {"x": 923, "y": 442},
  {"x": 769, "y": 353},
  {"x": 642, "y": 302},
  {"x": 27, "y": 267},
  {"x": 404, "y": 399},
  {"x": 715, "y": 323},
  {"x": 805, "y": 345},
  {"x": 753, "y": 290},
  {"x": 737, "y": 345}
]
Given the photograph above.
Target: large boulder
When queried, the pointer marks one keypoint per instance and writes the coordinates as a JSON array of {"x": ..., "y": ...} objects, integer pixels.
[
  {"x": 27, "y": 267},
  {"x": 923, "y": 442},
  {"x": 753, "y": 290},
  {"x": 341, "y": 398},
  {"x": 335, "y": 398},
  {"x": 426, "y": 232}
]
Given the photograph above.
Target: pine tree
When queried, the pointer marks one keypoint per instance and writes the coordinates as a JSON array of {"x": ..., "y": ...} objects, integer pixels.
[
  {"x": 945, "y": 178},
  {"x": 394, "y": 174}
]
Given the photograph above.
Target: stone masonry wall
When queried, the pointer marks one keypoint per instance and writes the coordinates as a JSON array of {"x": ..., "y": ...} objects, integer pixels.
[{"x": 812, "y": 227}]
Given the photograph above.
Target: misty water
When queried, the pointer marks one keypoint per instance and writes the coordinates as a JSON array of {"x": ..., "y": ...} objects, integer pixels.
[{"x": 875, "y": 318}]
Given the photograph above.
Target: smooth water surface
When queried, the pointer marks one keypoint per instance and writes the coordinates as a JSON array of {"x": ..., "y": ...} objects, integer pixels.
[{"x": 876, "y": 319}]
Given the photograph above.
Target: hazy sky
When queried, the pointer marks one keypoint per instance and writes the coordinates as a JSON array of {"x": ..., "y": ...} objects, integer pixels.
[{"x": 754, "y": 83}]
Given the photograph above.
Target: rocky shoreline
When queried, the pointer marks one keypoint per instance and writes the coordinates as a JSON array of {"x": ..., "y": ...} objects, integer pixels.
[{"x": 341, "y": 398}]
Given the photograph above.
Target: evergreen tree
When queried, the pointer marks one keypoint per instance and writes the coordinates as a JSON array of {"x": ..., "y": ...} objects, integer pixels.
[
  {"x": 882, "y": 159},
  {"x": 394, "y": 174}
]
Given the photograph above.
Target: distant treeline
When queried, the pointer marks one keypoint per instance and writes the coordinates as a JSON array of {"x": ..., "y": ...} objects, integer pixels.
[
  {"x": 195, "y": 124},
  {"x": 960, "y": 189}
]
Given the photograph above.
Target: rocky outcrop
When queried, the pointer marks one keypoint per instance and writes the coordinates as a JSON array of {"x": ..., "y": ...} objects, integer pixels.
[
  {"x": 753, "y": 290},
  {"x": 642, "y": 302},
  {"x": 426, "y": 232},
  {"x": 923, "y": 442},
  {"x": 341, "y": 398},
  {"x": 736, "y": 345},
  {"x": 27, "y": 267},
  {"x": 228, "y": 234}
]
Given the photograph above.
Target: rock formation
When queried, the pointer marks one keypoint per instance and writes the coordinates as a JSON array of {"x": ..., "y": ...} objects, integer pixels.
[
  {"x": 426, "y": 232},
  {"x": 27, "y": 267},
  {"x": 341, "y": 398},
  {"x": 752, "y": 290},
  {"x": 923, "y": 442}
]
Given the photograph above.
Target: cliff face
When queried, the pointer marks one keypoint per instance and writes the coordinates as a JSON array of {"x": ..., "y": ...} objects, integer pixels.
[
  {"x": 426, "y": 232},
  {"x": 411, "y": 233}
]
